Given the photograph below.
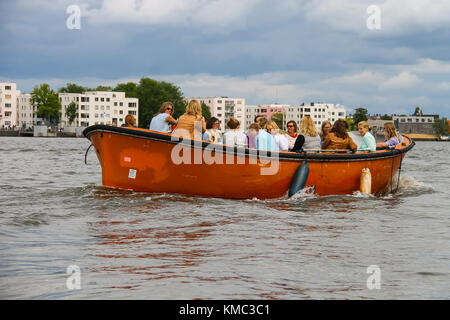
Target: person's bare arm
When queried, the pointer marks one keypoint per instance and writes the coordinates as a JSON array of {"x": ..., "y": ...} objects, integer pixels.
[{"x": 171, "y": 120}]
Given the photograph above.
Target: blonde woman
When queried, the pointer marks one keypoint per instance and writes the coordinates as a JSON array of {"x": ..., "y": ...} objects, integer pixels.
[
  {"x": 281, "y": 141},
  {"x": 391, "y": 135},
  {"x": 191, "y": 124},
  {"x": 368, "y": 141},
  {"x": 308, "y": 130}
]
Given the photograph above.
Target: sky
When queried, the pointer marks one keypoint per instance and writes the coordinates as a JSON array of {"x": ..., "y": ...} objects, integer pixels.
[{"x": 387, "y": 56}]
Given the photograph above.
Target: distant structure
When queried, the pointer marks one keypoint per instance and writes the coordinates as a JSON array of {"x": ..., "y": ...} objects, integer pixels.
[
  {"x": 420, "y": 124},
  {"x": 224, "y": 108},
  {"x": 98, "y": 107},
  {"x": 8, "y": 104},
  {"x": 319, "y": 112}
]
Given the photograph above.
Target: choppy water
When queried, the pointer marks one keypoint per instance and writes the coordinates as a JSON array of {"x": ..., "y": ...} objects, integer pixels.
[{"x": 54, "y": 213}]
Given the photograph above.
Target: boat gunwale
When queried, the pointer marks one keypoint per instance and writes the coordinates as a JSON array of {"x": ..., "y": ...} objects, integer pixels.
[{"x": 158, "y": 136}]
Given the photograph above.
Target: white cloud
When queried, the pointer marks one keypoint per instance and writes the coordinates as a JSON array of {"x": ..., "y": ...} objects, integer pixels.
[{"x": 403, "y": 80}]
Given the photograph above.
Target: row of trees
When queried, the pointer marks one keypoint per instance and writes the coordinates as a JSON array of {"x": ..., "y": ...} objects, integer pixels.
[{"x": 151, "y": 94}]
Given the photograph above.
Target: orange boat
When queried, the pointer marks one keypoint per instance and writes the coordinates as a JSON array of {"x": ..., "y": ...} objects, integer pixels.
[{"x": 149, "y": 161}]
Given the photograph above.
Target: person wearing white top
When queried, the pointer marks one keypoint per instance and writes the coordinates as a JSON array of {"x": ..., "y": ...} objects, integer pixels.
[
  {"x": 212, "y": 130},
  {"x": 281, "y": 141},
  {"x": 235, "y": 136}
]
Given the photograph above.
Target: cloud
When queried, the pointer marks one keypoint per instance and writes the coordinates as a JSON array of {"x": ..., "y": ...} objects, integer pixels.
[
  {"x": 397, "y": 16},
  {"x": 403, "y": 80},
  {"x": 170, "y": 13}
]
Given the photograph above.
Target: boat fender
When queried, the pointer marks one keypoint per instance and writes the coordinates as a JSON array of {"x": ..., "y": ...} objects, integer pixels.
[
  {"x": 300, "y": 177},
  {"x": 365, "y": 185}
]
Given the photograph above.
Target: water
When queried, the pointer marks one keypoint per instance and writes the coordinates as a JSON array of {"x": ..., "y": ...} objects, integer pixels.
[{"x": 54, "y": 213}]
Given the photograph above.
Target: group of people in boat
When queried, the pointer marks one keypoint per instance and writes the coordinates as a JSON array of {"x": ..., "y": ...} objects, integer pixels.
[{"x": 265, "y": 134}]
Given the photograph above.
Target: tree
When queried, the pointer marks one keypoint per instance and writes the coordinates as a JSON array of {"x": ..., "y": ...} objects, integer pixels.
[
  {"x": 386, "y": 117},
  {"x": 71, "y": 112},
  {"x": 351, "y": 124},
  {"x": 361, "y": 114},
  {"x": 73, "y": 88},
  {"x": 103, "y": 88},
  {"x": 278, "y": 119},
  {"x": 129, "y": 88},
  {"x": 441, "y": 127},
  {"x": 417, "y": 112},
  {"x": 47, "y": 103},
  {"x": 206, "y": 112}
]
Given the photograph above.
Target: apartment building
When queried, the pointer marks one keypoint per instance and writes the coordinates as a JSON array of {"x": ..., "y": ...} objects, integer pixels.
[
  {"x": 26, "y": 116},
  {"x": 319, "y": 112},
  {"x": 8, "y": 104},
  {"x": 98, "y": 107},
  {"x": 224, "y": 108}
]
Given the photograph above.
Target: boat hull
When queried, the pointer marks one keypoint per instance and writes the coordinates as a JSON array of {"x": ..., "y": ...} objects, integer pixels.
[{"x": 143, "y": 160}]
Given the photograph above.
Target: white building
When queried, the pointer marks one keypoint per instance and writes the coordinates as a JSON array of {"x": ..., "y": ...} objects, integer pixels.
[
  {"x": 98, "y": 107},
  {"x": 415, "y": 119},
  {"x": 26, "y": 117},
  {"x": 8, "y": 104},
  {"x": 319, "y": 112},
  {"x": 224, "y": 108}
]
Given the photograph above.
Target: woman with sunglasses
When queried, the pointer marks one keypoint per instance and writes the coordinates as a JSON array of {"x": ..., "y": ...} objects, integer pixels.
[
  {"x": 163, "y": 120},
  {"x": 291, "y": 134}
]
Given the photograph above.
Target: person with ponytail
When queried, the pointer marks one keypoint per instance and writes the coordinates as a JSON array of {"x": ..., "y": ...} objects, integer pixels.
[{"x": 368, "y": 141}]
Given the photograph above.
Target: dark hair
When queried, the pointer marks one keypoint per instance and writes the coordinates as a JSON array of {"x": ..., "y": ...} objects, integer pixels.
[
  {"x": 233, "y": 123},
  {"x": 164, "y": 106},
  {"x": 340, "y": 129},
  {"x": 294, "y": 123},
  {"x": 210, "y": 122}
]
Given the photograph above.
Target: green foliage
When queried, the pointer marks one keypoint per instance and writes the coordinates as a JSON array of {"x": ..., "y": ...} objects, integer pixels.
[
  {"x": 47, "y": 103},
  {"x": 73, "y": 88},
  {"x": 71, "y": 112},
  {"x": 206, "y": 112},
  {"x": 352, "y": 126},
  {"x": 129, "y": 88},
  {"x": 386, "y": 117},
  {"x": 103, "y": 88},
  {"x": 417, "y": 112},
  {"x": 441, "y": 127},
  {"x": 361, "y": 114},
  {"x": 278, "y": 119}
]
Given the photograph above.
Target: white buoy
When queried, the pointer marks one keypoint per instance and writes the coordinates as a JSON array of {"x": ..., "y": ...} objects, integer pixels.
[{"x": 365, "y": 185}]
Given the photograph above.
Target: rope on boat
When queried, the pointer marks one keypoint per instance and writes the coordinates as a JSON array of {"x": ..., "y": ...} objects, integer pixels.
[
  {"x": 392, "y": 171},
  {"x": 85, "y": 155}
]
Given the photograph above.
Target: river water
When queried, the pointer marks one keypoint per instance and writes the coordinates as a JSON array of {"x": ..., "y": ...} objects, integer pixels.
[{"x": 55, "y": 217}]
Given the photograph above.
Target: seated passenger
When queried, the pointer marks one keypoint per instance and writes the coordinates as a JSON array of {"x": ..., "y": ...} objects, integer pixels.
[
  {"x": 368, "y": 141},
  {"x": 191, "y": 124},
  {"x": 235, "y": 136},
  {"x": 264, "y": 140},
  {"x": 130, "y": 121},
  {"x": 391, "y": 135},
  {"x": 281, "y": 141},
  {"x": 338, "y": 137},
  {"x": 212, "y": 130},
  {"x": 326, "y": 127},
  {"x": 308, "y": 138},
  {"x": 163, "y": 120},
  {"x": 291, "y": 134},
  {"x": 250, "y": 138}
]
